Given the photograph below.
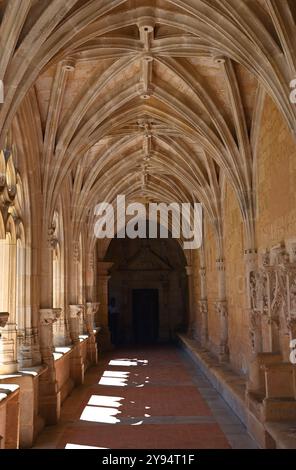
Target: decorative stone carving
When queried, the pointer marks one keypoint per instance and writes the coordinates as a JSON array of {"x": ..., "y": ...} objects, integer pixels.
[
  {"x": 203, "y": 309},
  {"x": 47, "y": 317},
  {"x": 76, "y": 252},
  {"x": 272, "y": 290},
  {"x": 222, "y": 312},
  {"x": 76, "y": 313},
  {"x": 52, "y": 238},
  {"x": 91, "y": 310},
  {"x": 255, "y": 330}
]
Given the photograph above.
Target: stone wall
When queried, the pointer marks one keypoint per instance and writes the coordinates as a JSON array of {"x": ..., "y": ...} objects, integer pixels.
[
  {"x": 212, "y": 285},
  {"x": 238, "y": 324},
  {"x": 276, "y": 177}
]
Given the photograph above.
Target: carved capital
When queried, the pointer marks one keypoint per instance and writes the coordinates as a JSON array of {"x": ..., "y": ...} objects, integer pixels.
[
  {"x": 76, "y": 310},
  {"x": 48, "y": 316},
  {"x": 3, "y": 319}
]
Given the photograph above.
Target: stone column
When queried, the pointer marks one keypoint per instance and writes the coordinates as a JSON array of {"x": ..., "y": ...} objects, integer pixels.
[
  {"x": 102, "y": 318},
  {"x": 253, "y": 285},
  {"x": 77, "y": 364},
  {"x": 191, "y": 319},
  {"x": 92, "y": 350},
  {"x": 49, "y": 394},
  {"x": 8, "y": 362},
  {"x": 222, "y": 312},
  {"x": 204, "y": 334},
  {"x": 203, "y": 304}
]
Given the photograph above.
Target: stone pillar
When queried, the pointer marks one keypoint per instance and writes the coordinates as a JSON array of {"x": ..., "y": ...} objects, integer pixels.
[
  {"x": 191, "y": 319},
  {"x": 75, "y": 314},
  {"x": 204, "y": 334},
  {"x": 252, "y": 287},
  {"x": 49, "y": 394},
  {"x": 89, "y": 276},
  {"x": 102, "y": 318},
  {"x": 8, "y": 338},
  {"x": 203, "y": 304},
  {"x": 222, "y": 312},
  {"x": 77, "y": 364},
  {"x": 92, "y": 350}
]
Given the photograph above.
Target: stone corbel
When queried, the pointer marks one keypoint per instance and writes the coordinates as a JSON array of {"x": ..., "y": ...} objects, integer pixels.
[
  {"x": 48, "y": 316},
  {"x": 91, "y": 309},
  {"x": 76, "y": 311},
  {"x": 3, "y": 319}
]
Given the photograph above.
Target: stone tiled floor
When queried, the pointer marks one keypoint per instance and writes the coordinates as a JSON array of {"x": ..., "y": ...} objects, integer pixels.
[{"x": 147, "y": 398}]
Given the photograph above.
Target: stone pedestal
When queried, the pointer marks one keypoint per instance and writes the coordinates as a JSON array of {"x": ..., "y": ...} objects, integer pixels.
[
  {"x": 271, "y": 394},
  {"x": 49, "y": 399}
]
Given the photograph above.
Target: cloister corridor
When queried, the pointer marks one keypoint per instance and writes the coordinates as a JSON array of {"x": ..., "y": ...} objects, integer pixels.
[
  {"x": 151, "y": 398},
  {"x": 147, "y": 226}
]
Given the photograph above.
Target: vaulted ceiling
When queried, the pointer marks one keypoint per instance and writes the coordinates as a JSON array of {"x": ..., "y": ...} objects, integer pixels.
[{"x": 155, "y": 99}]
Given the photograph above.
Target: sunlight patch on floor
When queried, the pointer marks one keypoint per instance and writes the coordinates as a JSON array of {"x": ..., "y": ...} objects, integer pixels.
[{"x": 78, "y": 446}]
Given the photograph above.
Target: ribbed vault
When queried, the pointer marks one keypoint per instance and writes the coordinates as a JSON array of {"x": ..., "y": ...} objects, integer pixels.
[{"x": 158, "y": 100}]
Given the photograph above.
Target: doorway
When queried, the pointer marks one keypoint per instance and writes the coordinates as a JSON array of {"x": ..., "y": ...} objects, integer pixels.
[{"x": 145, "y": 316}]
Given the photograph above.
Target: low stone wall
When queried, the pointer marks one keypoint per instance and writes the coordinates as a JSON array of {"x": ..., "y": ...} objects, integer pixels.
[
  {"x": 9, "y": 416},
  {"x": 280, "y": 433},
  {"x": 23, "y": 393}
]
